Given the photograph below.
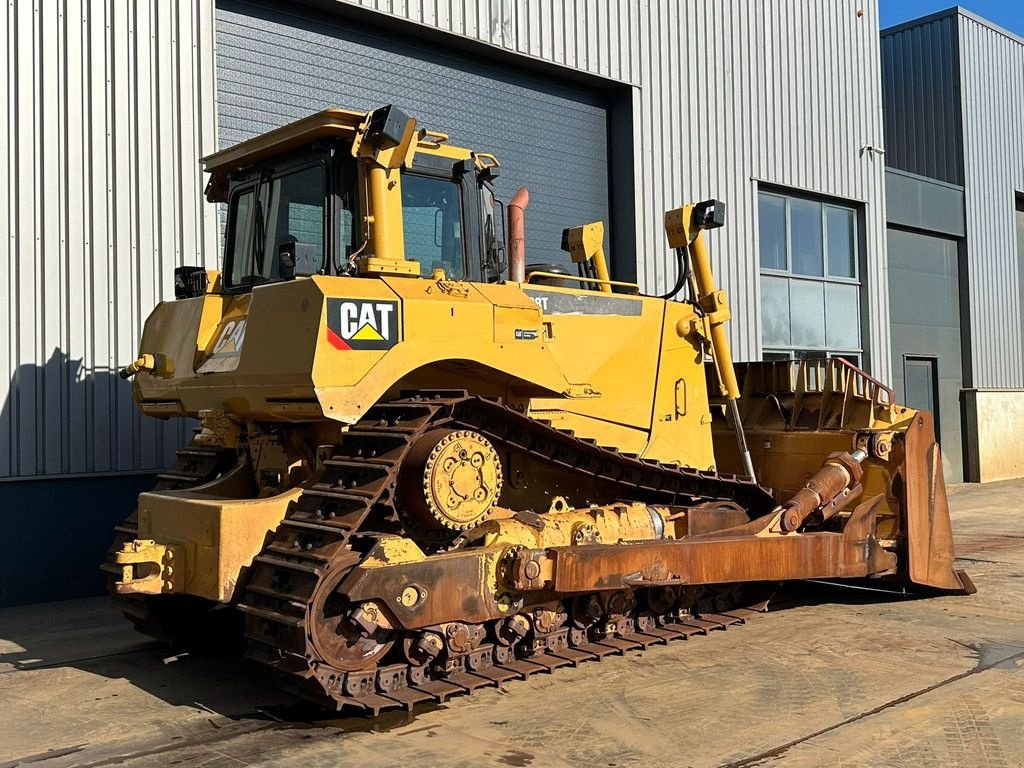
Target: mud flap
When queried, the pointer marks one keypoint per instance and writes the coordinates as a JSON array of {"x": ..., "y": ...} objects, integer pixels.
[{"x": 929, "y": 531}]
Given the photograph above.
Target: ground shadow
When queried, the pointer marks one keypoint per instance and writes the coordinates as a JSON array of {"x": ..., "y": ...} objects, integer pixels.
[
  {"x": 92, "y": 637},
  {"x": 215, "y": 676},
  {"x": 800, "y": 594}
]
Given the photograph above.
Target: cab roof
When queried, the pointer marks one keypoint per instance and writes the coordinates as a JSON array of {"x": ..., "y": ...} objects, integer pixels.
[{"x": 328, "y": 123}]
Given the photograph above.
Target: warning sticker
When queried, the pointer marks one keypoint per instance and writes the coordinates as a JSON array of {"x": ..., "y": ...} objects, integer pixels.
[{"x": 362, "y": 324}]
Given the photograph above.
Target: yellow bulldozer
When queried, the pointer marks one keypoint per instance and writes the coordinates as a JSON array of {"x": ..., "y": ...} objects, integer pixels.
[{"x": 423, "y": 466}]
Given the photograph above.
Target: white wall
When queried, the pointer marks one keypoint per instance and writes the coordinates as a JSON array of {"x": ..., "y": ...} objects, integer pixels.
[{"x": 108, "y": 106}]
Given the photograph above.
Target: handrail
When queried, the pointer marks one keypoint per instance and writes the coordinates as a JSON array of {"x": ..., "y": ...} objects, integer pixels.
[{"x": 555, "y": 275}]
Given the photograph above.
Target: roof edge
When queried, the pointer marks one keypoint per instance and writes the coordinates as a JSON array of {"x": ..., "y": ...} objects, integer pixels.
[
  {"x": 921, "y": 21},
  {"x": 990, "y": 25},
  {"x": 956, "y": 10}
]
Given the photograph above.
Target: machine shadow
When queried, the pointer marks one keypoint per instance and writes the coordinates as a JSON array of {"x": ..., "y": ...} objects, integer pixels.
[
  {"x": 802, "y": 594},
  {"x": 91, "y": 637}
]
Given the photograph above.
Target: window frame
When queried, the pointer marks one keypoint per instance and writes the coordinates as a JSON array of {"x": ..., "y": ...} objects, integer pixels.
[
  {"x": 248, "y": 180},
  {"x": 787, "y": 274},
  {"x": 462, "y": 173},
  {"x": 825, "y": 205}
]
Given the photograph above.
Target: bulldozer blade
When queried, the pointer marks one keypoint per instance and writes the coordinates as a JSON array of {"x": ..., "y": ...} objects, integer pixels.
[{"x": 929, "y": 530}]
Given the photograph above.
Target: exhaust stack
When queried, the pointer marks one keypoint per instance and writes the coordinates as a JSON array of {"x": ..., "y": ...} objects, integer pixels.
[{"x": 517, "y": 235}]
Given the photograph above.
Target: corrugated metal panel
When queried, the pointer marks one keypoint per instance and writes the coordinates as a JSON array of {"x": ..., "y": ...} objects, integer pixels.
[
  {"x": 992, "y": 73},
  {"x": 920, "y": 87},
  {"x": 781, "y": 91},
  {"x": 107, "y": 106},
  {"x": 277, "y": 65},
  {"x": 588, "y": 35}
]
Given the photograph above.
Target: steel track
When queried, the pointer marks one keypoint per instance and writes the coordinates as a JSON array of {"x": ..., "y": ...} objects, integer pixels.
[{"x": 334, "y": 521}]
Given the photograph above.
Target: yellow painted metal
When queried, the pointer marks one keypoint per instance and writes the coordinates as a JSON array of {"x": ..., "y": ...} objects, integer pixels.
[
  {"x": 461, "y": 479},
  {"x": 147, "y": 568},
  {"x": 594, "y": 373},
  {"x": 147, "y": 363},
  {"x": 329, "y": 123},
  {"x": 565, "y": 526},
  {"x": 391, "y": 550},
  {"x": 213, "y": 539},
  {"x": 684, "y": 233},
  {"x": 587, "y": 242}
]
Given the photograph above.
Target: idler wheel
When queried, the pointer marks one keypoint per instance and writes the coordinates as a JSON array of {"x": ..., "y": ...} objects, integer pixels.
[
  {"x": 345, "y": 635},
  {"x": 450, "y": 481}
]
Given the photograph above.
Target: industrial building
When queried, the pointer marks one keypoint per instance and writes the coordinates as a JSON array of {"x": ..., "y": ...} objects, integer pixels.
[{"x": 873, "y": 180}]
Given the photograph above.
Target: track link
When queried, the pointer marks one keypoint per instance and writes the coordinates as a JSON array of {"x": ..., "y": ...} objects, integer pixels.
[{"x": 326, "y": 531}]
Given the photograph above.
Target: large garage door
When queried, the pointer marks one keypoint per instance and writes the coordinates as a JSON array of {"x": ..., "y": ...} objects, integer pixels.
[
  {"x": 924, "y": 312},
  {"x": 276, "y": 65}
]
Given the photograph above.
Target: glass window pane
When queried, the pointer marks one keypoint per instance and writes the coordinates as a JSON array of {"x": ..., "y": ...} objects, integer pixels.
[
  {"x": 807, "y": 309},
  {"x": 774, "y": 312},
  {"x": 850, "y": 357},
  {"x": 241, "y": 241},
  {"x": 842, "y": 324},
  {"x": 290, "y": 211},
  {"x": 771, "y": 214},
  {"x": 839, "y": 236},
  {"x": 296, "y": 213},
  {"x": 806, "y": 237},
  {"x": 432, "y": 224},
  {"x": 771, "y": 356}
]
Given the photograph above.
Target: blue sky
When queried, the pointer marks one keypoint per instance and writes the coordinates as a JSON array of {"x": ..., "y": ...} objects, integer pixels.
[{"x": 1006, "y": 13}]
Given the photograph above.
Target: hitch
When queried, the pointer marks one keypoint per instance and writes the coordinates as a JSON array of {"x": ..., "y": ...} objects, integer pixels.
[{"x": 147, "y": 568}]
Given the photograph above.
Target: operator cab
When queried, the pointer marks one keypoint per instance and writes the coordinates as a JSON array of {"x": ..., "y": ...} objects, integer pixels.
[{"x": 297, "y": 203}]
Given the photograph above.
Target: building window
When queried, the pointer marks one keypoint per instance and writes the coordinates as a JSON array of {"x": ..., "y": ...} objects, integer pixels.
[{"x": 810, "y": 278}]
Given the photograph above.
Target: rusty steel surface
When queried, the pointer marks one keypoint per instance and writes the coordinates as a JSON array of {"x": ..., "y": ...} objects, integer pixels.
[
  {"x": 306, "y": 603},
  {"x": 930, "y": 533},
  {"x": 723, "y": 559}
]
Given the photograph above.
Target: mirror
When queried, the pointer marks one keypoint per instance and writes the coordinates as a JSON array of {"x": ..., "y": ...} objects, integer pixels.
[{"x": 297, "y": 259}]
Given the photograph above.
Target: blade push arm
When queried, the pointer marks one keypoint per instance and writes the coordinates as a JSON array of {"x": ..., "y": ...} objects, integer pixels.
[{"x": 685, "y": 229}]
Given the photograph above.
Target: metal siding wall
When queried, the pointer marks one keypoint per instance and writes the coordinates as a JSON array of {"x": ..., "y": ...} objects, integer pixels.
[
  {"x": 107, "y": 107},
  {"x": 779, "y": 91},
  {"x": 277, "y": 65},
  {"x": 920, "y": 87},
  {"x": 992, "y": 73},
  {"x": 594, "y": 36}
]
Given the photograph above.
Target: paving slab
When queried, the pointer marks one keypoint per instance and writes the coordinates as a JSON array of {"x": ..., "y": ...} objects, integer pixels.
[{"x": 828, "y": 677}]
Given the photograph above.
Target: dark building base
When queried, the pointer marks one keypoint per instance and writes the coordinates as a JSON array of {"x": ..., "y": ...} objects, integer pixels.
[{"x": 57, "y": 533}]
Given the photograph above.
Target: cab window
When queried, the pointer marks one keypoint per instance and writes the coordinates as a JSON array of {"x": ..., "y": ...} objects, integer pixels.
[
  {"x": 432, "y": 224},
  {"x": 289, "y": 213}
]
